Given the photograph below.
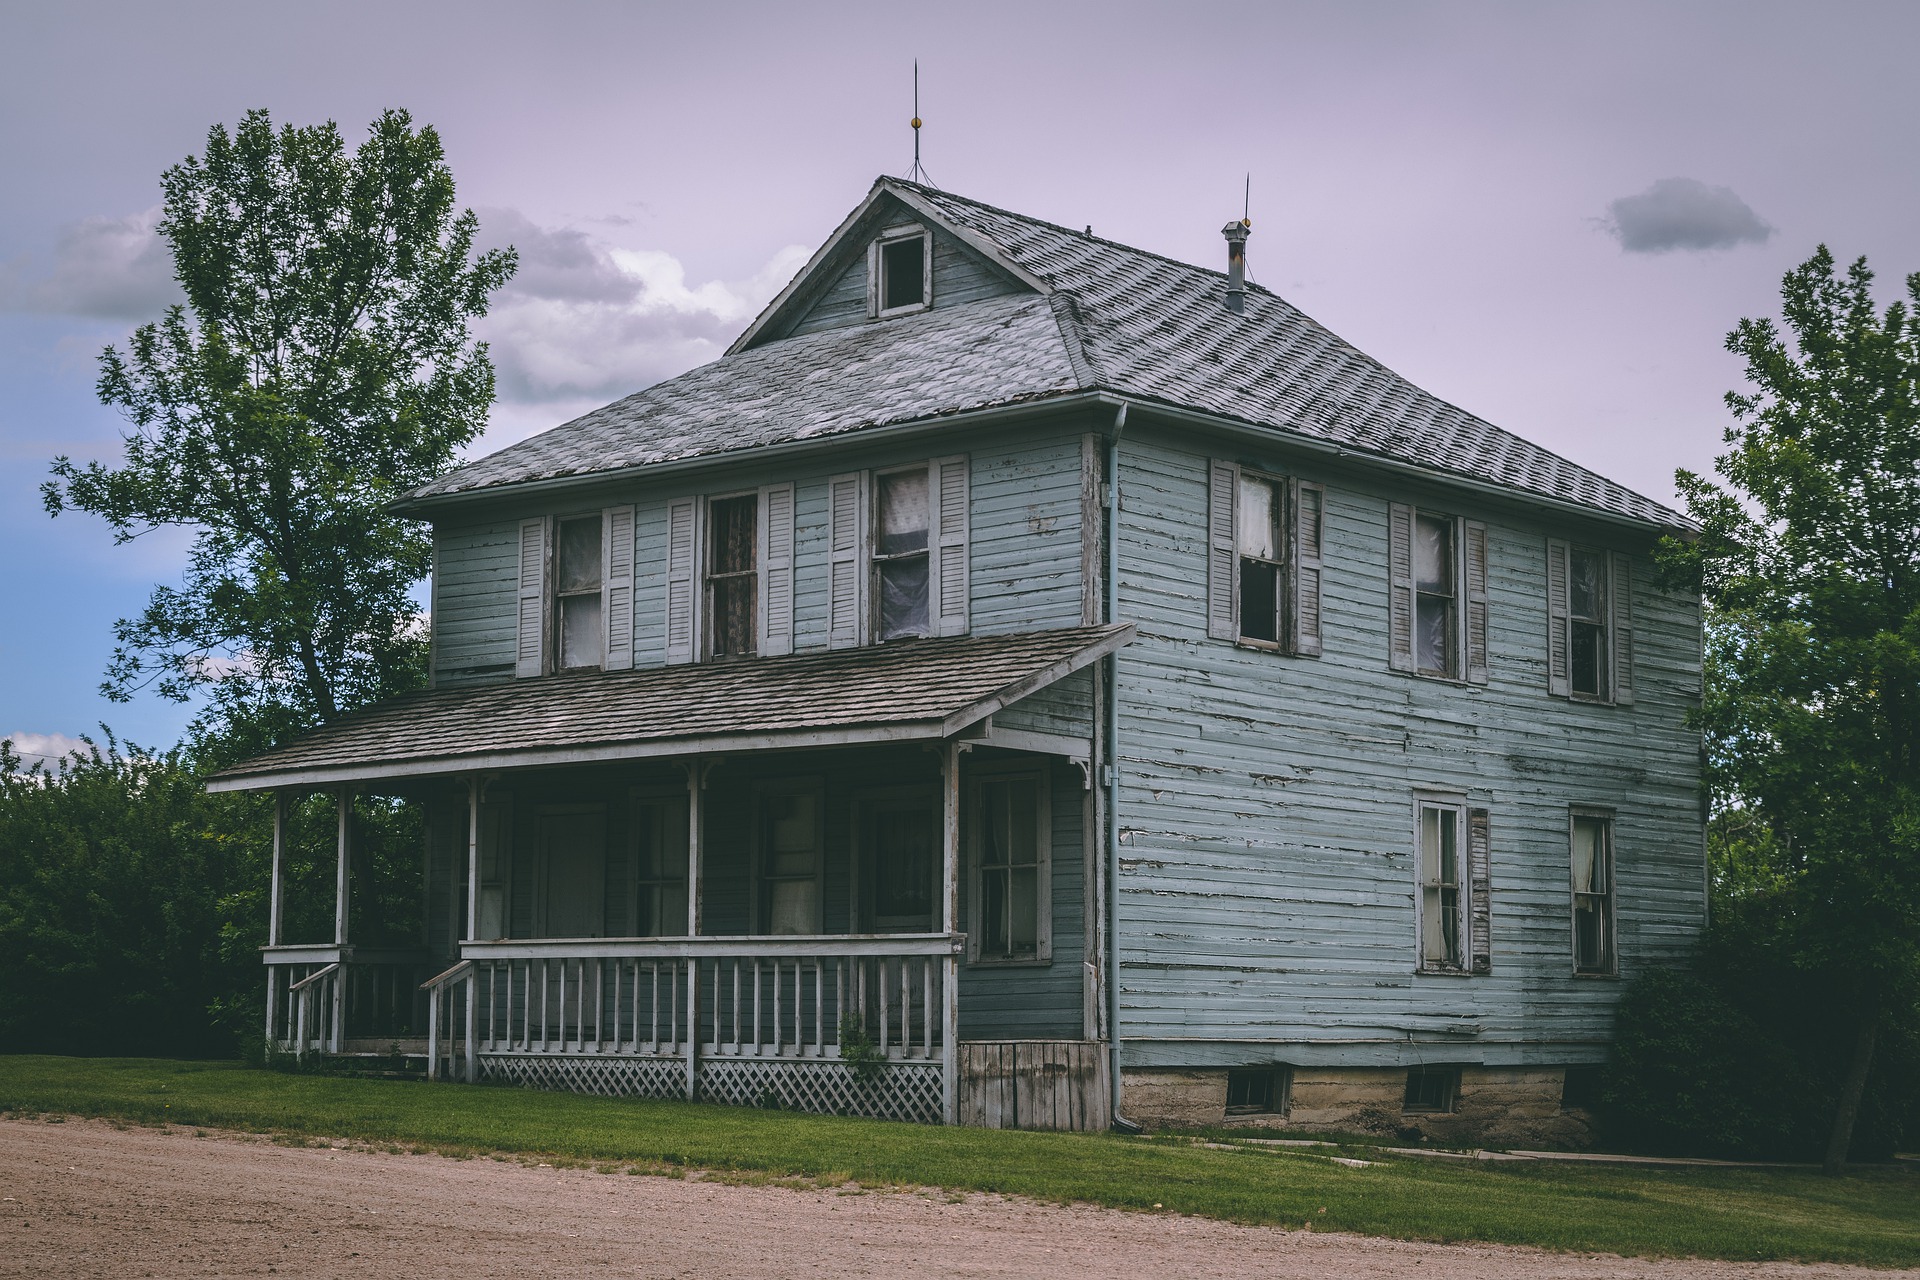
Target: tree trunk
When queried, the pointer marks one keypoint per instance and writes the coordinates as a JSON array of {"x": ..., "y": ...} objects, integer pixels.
[{"x": 1849, "y": 1109}]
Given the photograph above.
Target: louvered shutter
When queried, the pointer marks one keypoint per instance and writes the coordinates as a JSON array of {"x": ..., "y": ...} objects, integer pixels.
[
  {"x": 1400, "y": 587},
  {"x": 616, "y": 589},
  {"x": 948, "y": 585},
  {"x": 683, "y": 537},
  {"x": 1480, "y": 891},
  {"x": 1308, "y": 547},
  {"x": 530, "y": 650},
  {"x": 1223, "y": 558},
  {"x": 776, "y": 570},
  {"x": 1476, "y": 547},
  {"x": 1559, "y": 626},
  {"x": 846, "y": 565},
  {"x": 1622, "y": 629}
]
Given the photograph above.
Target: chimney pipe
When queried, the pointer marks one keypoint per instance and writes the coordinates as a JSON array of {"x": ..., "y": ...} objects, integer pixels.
[{"x": 1236, "y": 233}]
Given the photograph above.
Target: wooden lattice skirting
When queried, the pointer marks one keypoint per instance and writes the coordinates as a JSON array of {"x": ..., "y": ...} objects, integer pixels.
[{"x": 904, "y": 1091}]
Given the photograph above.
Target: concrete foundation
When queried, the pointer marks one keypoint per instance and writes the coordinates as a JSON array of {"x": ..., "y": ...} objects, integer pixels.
[{"x": 1492, "y": 1106}]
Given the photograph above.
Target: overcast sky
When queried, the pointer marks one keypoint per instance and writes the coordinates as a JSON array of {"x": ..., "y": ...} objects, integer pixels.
[{"x": 1549, "y": 214}]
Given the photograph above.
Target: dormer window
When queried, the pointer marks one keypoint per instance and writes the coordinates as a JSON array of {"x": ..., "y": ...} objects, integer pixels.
[{"x": 902, "y": 270}]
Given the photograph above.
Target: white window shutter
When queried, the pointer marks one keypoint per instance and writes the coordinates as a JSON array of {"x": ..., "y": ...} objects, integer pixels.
[
  {"x": 947, "y": 585},
  {"x": 776, "y": 570},
  {"x": 530, "y": 652},
  {"x": 1559, "y": 626},
  {"x": 1475, "y": 543},
  {"x": 1480, "y": 891},
  {"x": 1622, "y": 629},
  {"x": 1223, "y": 556},
  {"x": 616, "y": 587},
  {"x": 1400, "y": 587},
  {"x": 1308, "y": 545},
  {"x": 846, "y": 560},
  {"x": 683, "y": 597}
]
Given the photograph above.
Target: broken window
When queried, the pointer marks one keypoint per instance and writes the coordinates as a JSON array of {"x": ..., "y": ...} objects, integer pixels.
[
  {"x": 900, "y": 564},
  {"x": 1587, "y": 622},
  {"x": 900, "y": 860},
  {"x": 1258, "y": 1091},
  {"x": 1435, "y": 622},
  {"x": 1260, "y": 540},
  {"x": 1442, "y": 898},
  {"x": 733, "y": 580},
  {"x": 1431, "y": 1089},
  {"x": 1592, "y": 893},
  {"x": 790, "y": 861},
  {"x": 902, "y": 265},
  {"x": 1012, "y": 920},
  {"x": 583, "y": 635}
]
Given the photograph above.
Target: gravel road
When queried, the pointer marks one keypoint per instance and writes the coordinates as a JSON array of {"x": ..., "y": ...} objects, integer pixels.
[{"x": 85, "y": 1199}]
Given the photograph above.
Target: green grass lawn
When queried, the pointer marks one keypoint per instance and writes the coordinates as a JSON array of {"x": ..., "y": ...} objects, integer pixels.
[{"x": 1871, "y": 1217}]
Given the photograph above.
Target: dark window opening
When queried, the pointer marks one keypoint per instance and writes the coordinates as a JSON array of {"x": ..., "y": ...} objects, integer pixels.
[
  {"x": 1581, "y": 1091},
  {"x": 1592, "y": 894},
  {"x": 1588, "y": 606},
  {"x": 1441, "y": 901},
  {"x": 1009, "y": 852},
  {"x": 900, "y": 564},
  {"x": 1253, "y": 1091},
  {"x": 900, "y": 847},
  {"x": 1434, "y": 626},
  {"x": 1260, "y": 540},
  {"x": 1431, "y": 1089},
  {"x": 583, "y": 634},
  {"x": 903, "y": 273},
  {"x": 732, "y": 580}
]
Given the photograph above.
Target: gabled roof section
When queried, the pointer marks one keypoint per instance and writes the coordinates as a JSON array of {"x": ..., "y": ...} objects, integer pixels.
[{"x": 1102, "y": 317}]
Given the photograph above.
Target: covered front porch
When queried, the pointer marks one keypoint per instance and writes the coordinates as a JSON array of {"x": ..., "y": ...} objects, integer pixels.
[{"x": 887, "y": 904}]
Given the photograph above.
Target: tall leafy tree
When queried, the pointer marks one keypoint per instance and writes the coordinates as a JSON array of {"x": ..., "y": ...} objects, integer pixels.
[
  {"x": 321, "y": 366},
  {"x": 1809, "y": 563}
]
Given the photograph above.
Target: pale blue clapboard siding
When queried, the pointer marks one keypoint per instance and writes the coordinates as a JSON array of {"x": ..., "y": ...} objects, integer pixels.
[
  {"x": 473, "y": 601},
  {"x": 959, "y": 276},
  {"x": 1268, "y": 883},
  {"x": 1064, "y": 707}
]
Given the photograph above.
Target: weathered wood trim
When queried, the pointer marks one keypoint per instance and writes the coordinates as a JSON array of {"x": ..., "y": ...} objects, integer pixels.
[
  {"x": 847, "y": 560},
  {"x": 343, "y": 864},
  {"x": 1223, "y": 552},
  {"x": 716, "y": 946},
  {"x": 530, "y": 654},
  {"x": 616, "y": 586},
  {"x": 1559, "y": 619},
  {"x": 683, "y": 579},
  {"x": 948, "y": 514},
  {"x": 1620, "y": 627},
  {"x": 775, "y": 554},
  {"x": 1400, "y": 604},
  {"x": 1092, "y": 518},
  {"x": 1474, "y": 605},
  {"x": 949, "y": 922},
  {"x": 1306, "y": 570},
  {"x": 1480, "y": 889}
]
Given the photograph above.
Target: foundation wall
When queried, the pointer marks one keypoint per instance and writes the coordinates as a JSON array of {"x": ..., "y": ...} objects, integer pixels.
[{"x": 1493, "y": 1106}]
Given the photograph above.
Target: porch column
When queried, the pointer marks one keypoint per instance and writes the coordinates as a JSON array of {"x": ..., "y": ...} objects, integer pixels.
[
  {"x": 276, "y": 911},
  {"x": 475, "y": 786},
  {"x": 696, "y": 790},
  {"x": 949, "y": 923},
  {"x": 343, "y": 874}
]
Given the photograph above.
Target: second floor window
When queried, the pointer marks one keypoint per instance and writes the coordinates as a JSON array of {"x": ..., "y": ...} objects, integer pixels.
[
  {"x": 1437, "y": 580},
  {"x": 1261, "y": 541},
  {"x": 1589, "y": 623},
  {"x": 1435, "y": 622},
  {"x": 898, "y": 563},
  {"x": 1587, "y": 619},
  {"x": 578, "y": 606},
  {"x": 1264, "y": 564},
  {"x": 900, "y": 567},
  {"x": 733, "y": 580}
]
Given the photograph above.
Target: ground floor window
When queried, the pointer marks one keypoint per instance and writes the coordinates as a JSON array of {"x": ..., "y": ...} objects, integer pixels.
[
  {"x": 1443, "y": 898},
  {"x": 1592, "y": 892},
  {"x": 660, "y": 865},
  {"x": 790, "y": 859},
  {"x": 1254, "y": 1091},
  {"x": 1011, "y": 837},
  {"x": 899, "y": 854},
  {"x": 1431, "y": 1089}
]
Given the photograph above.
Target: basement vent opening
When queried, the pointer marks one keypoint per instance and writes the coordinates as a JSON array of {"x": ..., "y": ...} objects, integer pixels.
[
  {"x": 1431, "y": 1089},
  {"x": 1258, "y": 1091}
]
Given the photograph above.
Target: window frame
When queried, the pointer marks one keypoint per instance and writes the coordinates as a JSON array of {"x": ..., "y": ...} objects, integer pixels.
[
  {"x": 556, "y": 597},
  {"x": 762, "y": 906},
  {"x": 1457, "y": 805},
  {"x": 1279, "y": 1090},
  {"x": 1605, "y": 659},
  {"x": 875, "y": 559},
  {"x": 1456, "y": 668},
  {"x": 638, "y": 800},
  {"x": 1042, "y": 778},
  {"x": 876, "y": 271},
  {"x": 1448, "y": 1073},
  {"x": 1610, "y": 927},
  {"x": 865, "y": 802},
  {"x": 1282, "y": 514},
  {"x": 708, "y": 627}
]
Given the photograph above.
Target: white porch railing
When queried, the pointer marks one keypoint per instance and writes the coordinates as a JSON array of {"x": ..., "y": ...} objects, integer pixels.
[
  {"x": 321, "y": 996},
  {"x": 835, "y": 1023}
]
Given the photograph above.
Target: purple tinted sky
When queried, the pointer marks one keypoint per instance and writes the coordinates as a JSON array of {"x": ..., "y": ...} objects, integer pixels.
[{"x": 1431, "y": 181}]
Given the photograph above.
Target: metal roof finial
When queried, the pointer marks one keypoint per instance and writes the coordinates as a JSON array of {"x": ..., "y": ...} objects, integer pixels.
[{"x": 918, "y": 173}]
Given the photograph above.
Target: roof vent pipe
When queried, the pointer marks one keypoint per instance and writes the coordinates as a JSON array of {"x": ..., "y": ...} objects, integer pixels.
[{"x": 1236, "y": 233}]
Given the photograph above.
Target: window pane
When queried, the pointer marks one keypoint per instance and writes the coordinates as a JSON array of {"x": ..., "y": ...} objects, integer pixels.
[
  {"x": 1259, "y": 601},
  {"x": 1433, "y": 555},
  {"x": 900, "y": 845},
  {"x": 731, "y": 545},
  {"x": 903, "y": 513},
  {"x": 793, "y": 908},
  {"x": 993, "y": 825},
  {"x": 1588, "y": 588},
  {"x": 790, "y": 823},
  {"x": 1023, "y": 816},
  {"x": 1433, "y": 633},
  {"x": 579, "y": 568},
  {"x": 1589, "y": 863},
  {"x": 733, "y": 615},
  {"x": 1589, "y": 667},
  {"x": 582, "y": 637},
  {"x": 1024, "y": 927},
  {"x": 1255, "y": 531},
  {"x": 1430, "y": 821},
  {"x": 993, "y": 913},
  {"x": 1433, "y": 934},
  {"x": 903, "y": 597},
  {"x": 903, "y": 273}
]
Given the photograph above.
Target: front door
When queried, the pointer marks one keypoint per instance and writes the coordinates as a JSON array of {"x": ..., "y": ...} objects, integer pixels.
[{"x": 573, "y": 872}]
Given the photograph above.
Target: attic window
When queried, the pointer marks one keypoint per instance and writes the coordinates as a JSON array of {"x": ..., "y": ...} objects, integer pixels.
[{"x": 902, "y": 272}]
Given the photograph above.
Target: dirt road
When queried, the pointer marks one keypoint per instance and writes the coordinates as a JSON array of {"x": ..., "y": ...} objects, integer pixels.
[{"x": 85, "y": 1199}]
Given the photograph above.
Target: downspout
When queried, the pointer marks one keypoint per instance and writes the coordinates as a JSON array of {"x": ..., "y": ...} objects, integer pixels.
[{"x": 1111, "y": 565}]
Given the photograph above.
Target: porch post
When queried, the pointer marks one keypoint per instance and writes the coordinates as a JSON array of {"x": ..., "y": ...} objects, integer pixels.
[
  {"x": 949, "y": 923},
  {"x": 276, "y": 913},
  {"x": 696, "y": 789},
  {"x": 342, "y": 879},
  {"x": 475, "y": 785}
]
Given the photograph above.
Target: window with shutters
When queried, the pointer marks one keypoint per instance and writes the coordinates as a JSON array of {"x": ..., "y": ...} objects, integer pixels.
[
  {"x": 1011, "y": 918},
  {"x": 898, "y": 553},
  {"x": 579, "y": 609},
  {"x": 1264, "y": 568},
  {"x": 900, "y": 266},
  {"x": 1437, "y": 595},
  {"x": 1592, "y": 833},
  {"x": 1436, "y": 623},
  {"x": 1443, "y": 887},
  {"x": 732, "y": 577},
  {"x": 1590, "y": 623},
  {"x": 901, "y": 568}
]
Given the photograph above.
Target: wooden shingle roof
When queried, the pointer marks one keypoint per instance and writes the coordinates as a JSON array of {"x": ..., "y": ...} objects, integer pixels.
[{"x": 919, "y": 690}]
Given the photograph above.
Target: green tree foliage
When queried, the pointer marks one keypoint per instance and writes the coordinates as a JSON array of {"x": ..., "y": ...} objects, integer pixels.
[
  {"x": 321, "y": 367},
  {"x": 1809, "y": 563}
]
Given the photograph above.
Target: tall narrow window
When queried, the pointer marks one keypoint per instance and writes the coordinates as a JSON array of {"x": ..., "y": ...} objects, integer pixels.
[
  {"x": 660, "y": 865},
  {"x": 1587, "y": 621},
  {"x": 732, "y": 575},
  {"x": 900, "y": 566},
  {"x": 1442, "y": 902},
  {"x": 1260, "y": 538},
  {"x": 1436, "y": 626},
  {"x": 900, "y": 860},
  {"x": 790, "y": 862},
  {"x": 1012, "y": 920},
  {"x": 583, "y": 633},
  {"x": 1592, "y": 893},
  {"x": 902, "y": 265}
]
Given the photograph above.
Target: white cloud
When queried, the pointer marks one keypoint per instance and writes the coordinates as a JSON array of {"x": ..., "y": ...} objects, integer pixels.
[
  {"x": 1683, "y": 213},
  {"x": 103, "y": 267},
  {"x": 46, "y": 749}
]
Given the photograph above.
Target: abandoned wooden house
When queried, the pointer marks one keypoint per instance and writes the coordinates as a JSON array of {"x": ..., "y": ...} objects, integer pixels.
[{"x": 1027, "y": 681}]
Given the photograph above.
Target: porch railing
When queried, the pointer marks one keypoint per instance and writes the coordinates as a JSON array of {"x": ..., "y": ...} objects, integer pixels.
[{"x": 320, "y": 997}]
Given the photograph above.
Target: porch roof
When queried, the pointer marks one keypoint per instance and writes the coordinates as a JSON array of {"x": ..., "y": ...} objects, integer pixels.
[{"x": 924, "y": 690}]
